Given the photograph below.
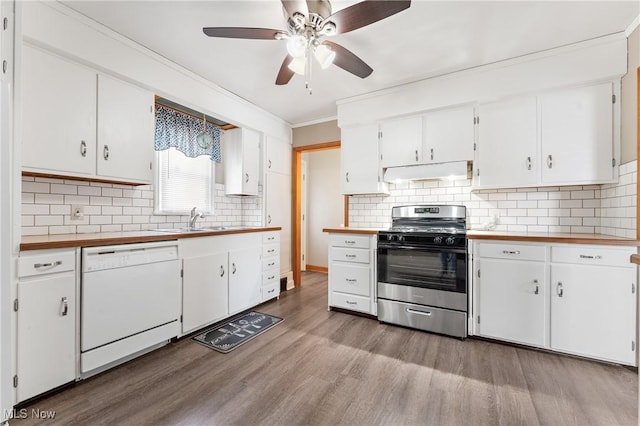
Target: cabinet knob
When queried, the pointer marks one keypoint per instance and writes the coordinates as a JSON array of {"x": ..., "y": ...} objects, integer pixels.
[
  {"x": 559, "y": 289},
  {"x": 105, "y": 152},
  {"x": 83, "y": 148}
]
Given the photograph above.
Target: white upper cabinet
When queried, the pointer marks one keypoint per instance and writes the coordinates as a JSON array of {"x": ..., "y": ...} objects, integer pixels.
[
  {"x": 125, "y": 130},
  {"x": 58, "y": 115},
  {"x": 241, "y": 159},
  {"x": 577, "y": 135},
  {"x": 448, "y": 135},
  {"x": 64, "y": 107},
  {"x": 507, "y": 144},
  {"x": 401, "y": 141},
  {"x": 361, "y": 173},
  {"x": 278, "y": 156}
]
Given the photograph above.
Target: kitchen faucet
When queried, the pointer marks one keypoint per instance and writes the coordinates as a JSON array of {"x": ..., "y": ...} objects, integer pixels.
[{"x": 194, "y": 216}]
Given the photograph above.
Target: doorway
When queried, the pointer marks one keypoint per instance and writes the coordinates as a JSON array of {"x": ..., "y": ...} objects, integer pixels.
[{"x": 297, "y": 216}]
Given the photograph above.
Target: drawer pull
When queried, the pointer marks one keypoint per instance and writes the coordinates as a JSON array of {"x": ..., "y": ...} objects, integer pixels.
[
  {"x": 350, "y": 256},
  {"x": 559, "y": 289},
  {"x": 271, "y": 250},
  {"x": 537, "y": 290},
  {"x": 271, "y": 264},
  {"x": 349, "y": 242},
  {"x": 47, "y": 265},
  {"x": 271, "y": 277},
  {"x": 351, "y": 303},
  {"x": 273, "y": 290},
  {"x": 413, "y": 311},
  {"x": 586, "y": 256},
  {"x": 511, "y": 252},
  {"x": 64, "y": 307},
  {"x": 351, "y": 280}
]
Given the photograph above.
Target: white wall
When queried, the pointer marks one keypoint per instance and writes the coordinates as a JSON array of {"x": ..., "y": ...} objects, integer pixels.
[{"x": 325, "y": 202}]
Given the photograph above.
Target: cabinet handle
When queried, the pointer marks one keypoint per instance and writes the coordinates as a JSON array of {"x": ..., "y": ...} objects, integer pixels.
[
  {"x": 351, "y": 303},
  {"x": 271, "y": 277},
  {"x": 4, "y": 67},
  {"x": 269, "y": 164},
  {"x": 549, "y": 161},
  {"x": 417, "y": 155},
  {"x": 269, "y": 218},
  {"x": 105, "y": 152},
  {"x": 221, "y": 271},
  {"x": 347, "y": 177},
  {"x": 271, "y": 264},
  {"x": 246, "y": 177},
  {"x": 586, "y": 256},
  {"x": 233, "y": 265},
  {"x": 413, "y": 311},
  {"x": 47, "y": 265},
  {"x": 431, "y": 154},
  {"x": 273, "y": 290},
  {"x": 350, "y": 256},
  {"x": 351, "y": 280},
  {"x": 271, "y": 250},
  {"x": 83, "y": 148},
  {"x": 537, "y": 290},
  {"x": 528, "y": 163},
  {"x": 559, "y": 289},
  {"x": 64, "y": 307},
  {"x": 511, "y": 252},
  {"x": 349, "y": 241}
]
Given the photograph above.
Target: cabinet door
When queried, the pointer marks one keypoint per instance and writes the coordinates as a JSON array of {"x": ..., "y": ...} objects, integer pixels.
[
  {"x": 448, "y": 135},
  {"x": 241, "y": 159},
  {"x": 46, "y": 348},
  {"x": 593, "y": 311},
  {"x": 511, "y": 300},
  {"x": 401, "y": 142},
  {"x": 360, "y": 162},
  {"x": 58, "y": 115},
  {"x": 278, "y": 209},
  {"x": 125, "y": 131},
  {"x": 245, "y": 278},
  {"x": 507, "y": 144},
  {"x": 250, "y": 161},
  {"x": 278, "y": 156},
  {"x": 204, "y": 290},
  {"x": 577, "y": 135}
]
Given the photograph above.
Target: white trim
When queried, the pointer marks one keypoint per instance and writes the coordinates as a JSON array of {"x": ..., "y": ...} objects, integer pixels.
[
  {"x": 632, "y": 26},
  {"x": 312, "y": 122}
]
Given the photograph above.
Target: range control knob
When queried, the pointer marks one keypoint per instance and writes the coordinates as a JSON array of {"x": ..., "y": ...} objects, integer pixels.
[
  {"x": 437, "y": 240},
  {"x": 393, "y": 237},
  {"x": 450, "y": 241}
]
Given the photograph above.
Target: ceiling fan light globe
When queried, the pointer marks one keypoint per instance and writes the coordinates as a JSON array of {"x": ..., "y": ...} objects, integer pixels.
[
  {"x": 297, "y": 65},
  {"x": 324, "y": 55},
  {"x": 297, "y": 45}
]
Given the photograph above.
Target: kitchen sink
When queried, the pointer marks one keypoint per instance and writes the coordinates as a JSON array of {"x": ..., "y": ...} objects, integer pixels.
[
  {"x": 224, "y": 228},
  {"x": 179, "y": 230}
]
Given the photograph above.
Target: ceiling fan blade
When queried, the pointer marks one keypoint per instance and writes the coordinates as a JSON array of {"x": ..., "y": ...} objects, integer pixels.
[
  {"x": 365, "y": 13},
  {"x": 240, "y": 32},
  {"x": 348, "y": 61},
  {"x": 293, "y": 6},
  {"x": 285, "y": 73}
]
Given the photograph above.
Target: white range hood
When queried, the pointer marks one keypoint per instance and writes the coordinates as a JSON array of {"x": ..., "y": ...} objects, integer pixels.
[{"x": 450, "y": 170}]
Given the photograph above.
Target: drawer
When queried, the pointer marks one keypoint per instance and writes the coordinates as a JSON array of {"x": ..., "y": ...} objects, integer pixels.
[
  {"x": 270, "y": 291},
  {"x": 592, "y": 255},
  {"x": 271, "y": 263},
  {"x": 350, "y": 255},
  {"x": 512, "y": 251},
  {"x": 270, "y": 250},
  {"x": 350, "y": 301},
  {"x": 270, "y": 237},
  {"x": 350, "y": 240},
  {"x": 41, "y": 262},
  {"x": 353, "y": 279},
  {"x": 269, "y": 277}
]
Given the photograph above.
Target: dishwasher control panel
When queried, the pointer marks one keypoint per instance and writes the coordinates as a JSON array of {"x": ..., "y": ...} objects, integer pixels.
[{"x": 125, "y": 255}]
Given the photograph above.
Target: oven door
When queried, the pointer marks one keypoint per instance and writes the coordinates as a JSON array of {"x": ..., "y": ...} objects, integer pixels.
[{"x": 435, "y": 268}]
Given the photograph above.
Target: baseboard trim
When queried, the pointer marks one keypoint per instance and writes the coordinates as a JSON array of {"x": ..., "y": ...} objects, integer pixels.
[{"x": 315, "y": 268}]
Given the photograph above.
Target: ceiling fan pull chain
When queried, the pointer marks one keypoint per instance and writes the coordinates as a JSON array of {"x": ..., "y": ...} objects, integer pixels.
[{"x": 307, "y": 72}]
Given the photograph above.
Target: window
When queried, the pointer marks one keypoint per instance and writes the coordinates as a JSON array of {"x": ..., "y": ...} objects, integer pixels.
[{"x": 183, "y": 183}]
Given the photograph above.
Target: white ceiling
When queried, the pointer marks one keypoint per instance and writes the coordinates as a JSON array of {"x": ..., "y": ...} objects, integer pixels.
[{"x": 428, "y": 39}]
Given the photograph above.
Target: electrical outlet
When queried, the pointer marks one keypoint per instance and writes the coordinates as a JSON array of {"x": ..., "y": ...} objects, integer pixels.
[{"x": 77, "y": 212}]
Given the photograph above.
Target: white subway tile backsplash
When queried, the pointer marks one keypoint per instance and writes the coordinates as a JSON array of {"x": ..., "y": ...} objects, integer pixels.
[
  {"x": 49, "y": 199},
  {"x": 607, "y": 209}
]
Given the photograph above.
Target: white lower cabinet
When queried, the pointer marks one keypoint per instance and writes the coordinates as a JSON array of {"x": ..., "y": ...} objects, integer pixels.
[
  {"x": 352, "y": 272},
  {"x": 224, "y": 275},
  {"x": 46, "y": 320},
  {"x": 270, "y": 265},
  {"x": 577, "y": 299}
]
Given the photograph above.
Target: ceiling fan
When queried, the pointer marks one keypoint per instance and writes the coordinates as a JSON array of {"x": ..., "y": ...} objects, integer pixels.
[{"x": 307, "y": 23}]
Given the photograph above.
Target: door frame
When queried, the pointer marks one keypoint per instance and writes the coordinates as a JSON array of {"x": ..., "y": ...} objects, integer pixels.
[{"x": 297, "y": 203}]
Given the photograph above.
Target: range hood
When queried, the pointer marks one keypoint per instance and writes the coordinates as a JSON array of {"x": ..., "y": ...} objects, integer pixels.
[{"x": 450, "y": 170}]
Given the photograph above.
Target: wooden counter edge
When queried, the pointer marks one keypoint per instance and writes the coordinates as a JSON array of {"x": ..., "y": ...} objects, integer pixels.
[
  {"x": 102, "y": 241},
  {"x": 635, "y": 258},
  {"x": 351, "y": 231},
  {"x": 557, "y": 239}
]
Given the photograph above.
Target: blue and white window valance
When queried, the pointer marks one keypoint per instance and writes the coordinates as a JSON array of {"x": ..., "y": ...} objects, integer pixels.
[{"x": 174, "y": 129}]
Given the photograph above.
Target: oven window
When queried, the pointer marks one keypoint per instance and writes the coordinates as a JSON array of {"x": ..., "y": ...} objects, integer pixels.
[{"x": 437, "y": 269}]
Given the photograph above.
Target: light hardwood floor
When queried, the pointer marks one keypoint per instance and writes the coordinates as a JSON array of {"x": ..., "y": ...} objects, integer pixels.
[{"x": 324, "y": 368}]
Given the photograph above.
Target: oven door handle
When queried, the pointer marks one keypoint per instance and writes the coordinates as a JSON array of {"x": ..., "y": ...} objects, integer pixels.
[
  {"x": 413, "y": 311},
  {"x": 429, "y": 249}
]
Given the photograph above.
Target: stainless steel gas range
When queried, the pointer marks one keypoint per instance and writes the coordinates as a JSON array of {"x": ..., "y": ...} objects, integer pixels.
[{"x": 422, "y": 269}]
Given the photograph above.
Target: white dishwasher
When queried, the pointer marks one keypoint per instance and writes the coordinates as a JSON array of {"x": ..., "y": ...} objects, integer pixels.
[{"x": 131, "y": 298}]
